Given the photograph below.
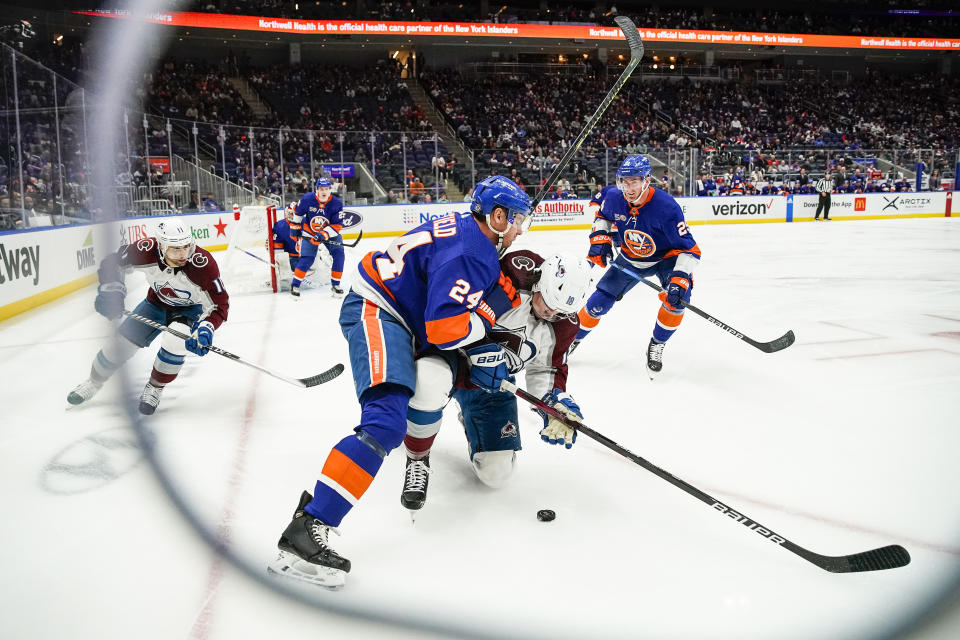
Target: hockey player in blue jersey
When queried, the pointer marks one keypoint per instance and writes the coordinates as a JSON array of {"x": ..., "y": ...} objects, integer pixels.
[
  {"x": 437, "y": 286},
  {"x": 283, "y": 239},
  {"x": 317, "y": 222},
  {"x": 654, "y": 241}
]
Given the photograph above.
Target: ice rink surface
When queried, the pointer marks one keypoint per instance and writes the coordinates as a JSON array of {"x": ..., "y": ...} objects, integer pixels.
[{"x": 844, "y": 442}]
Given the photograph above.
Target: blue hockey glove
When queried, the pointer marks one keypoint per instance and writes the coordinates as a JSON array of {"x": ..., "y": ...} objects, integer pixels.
[
  {"x": 109, "y": 300},
  {"x": 601, "y": 248},
  {"x": 488, "y": 366},
  {"x": 554, "y": 431},
  {"x": 677, "y": 292},
  {"x": 201, "y": 336}
]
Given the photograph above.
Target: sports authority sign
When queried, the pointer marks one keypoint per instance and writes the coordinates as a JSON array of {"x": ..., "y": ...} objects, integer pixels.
[{"x": 554, "y": 31}]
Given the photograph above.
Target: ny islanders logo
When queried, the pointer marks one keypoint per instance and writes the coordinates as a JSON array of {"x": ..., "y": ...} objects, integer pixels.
[{"x": 638, "y": 243}]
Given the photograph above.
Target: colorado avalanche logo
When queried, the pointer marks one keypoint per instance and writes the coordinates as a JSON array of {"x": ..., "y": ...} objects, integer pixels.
[
  {"x": 145, "y": 244},
  {"x": 509, "y": 430},
  {"x": 199, "y": 260},
  {"x": 639, "y": 244},
  {"x": 524, "y": 263},
  {"x": 350, "y": 218},
  {"x": 172, "y": 295}
]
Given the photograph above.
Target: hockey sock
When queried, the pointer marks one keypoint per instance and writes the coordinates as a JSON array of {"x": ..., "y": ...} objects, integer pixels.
[
  {"x": 355, "y": 460},
  {"x": 422, "y": 428},
  {"x": 166, "y": 366},
  {"x": 667, "y": 322},
  {"x": 587, "y": 323},
  {"x": 110, "y": 358},
  {"x": 335, "y": 277}
]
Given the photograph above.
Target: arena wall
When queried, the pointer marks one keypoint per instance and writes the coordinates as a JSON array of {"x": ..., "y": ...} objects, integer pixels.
[{"x": 41, "y": 265}]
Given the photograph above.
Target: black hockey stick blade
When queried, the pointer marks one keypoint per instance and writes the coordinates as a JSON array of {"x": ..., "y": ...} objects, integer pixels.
[
  {"x": 320, "y": 378},
  {"x": 346, "y": 244},
  {"x": 780, "y": 343},
  {"x": 632, "y": 35},
  {"x": 889, "y": 557}
]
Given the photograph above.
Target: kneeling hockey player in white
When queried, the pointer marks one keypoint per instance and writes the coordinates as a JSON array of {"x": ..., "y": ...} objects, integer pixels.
[
  {"x": 536, "y": 335},
  {"x": 185, "y": 293}
]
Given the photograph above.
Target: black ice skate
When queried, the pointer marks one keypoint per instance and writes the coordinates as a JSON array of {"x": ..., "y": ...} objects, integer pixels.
[
  {"x": 83, "y": 392},
  {"x": 654, "y": 358},
  {"x": 337, "y": 291},
  {"x": 415, "y": 481},
  {"x": 306, "y": 555},
  {"x": 149, "y": 399},
  {"x": 295, "y": 292},
  {"x": 573, "y": 346}
]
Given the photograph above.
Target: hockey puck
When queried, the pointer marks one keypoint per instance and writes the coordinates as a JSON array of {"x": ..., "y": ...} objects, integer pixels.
[{"x": 545, "y": 515}]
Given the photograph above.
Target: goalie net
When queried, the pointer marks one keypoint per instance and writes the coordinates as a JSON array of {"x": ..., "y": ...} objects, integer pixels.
[{"x": 248, "y": 264}]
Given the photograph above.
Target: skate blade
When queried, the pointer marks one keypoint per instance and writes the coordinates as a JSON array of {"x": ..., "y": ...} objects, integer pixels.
[{"x": 289, "y": 566}]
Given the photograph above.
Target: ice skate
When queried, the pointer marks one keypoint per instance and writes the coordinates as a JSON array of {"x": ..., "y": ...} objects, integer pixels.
[
  {"x": 654, "y": 358},
  {"x": 149, "y": 399},
  {"x": 415, "y": 481},
  {"x": 573, "y": 346},
  {"x": 83, "y": 392},
  {"x": 295, "y": 292},
  {"x": 305, "y": 553},
  {"x": 336, "y": 290}
]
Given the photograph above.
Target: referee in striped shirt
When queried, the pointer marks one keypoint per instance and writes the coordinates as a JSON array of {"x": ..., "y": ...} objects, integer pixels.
[{"x": 824, "y": 187}]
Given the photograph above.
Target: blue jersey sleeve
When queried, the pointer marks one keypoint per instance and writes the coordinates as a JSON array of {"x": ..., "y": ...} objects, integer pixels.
[{"x": 457, "y": 313}]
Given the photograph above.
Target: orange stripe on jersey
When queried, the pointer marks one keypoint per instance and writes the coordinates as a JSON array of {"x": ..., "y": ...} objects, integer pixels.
[
  {"x": 669, "y": 319},
  {"x": 507, "y": 285},
  {"x": 675, "y": 252},
  {"x": 447, "y": 330},
  {"x": 587, "y": 321},
  {"x": 338, "y": 227},
  {"x": 347, "y": 473},
  {"x": 371, "y": 270},
  {"x": 486, "y": 312},
  {"x": 300, "y": 274},
  {"x": 376, "y": 354}
]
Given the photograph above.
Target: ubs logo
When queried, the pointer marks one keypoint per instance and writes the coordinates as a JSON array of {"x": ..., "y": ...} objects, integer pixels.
[
  {"x": 891, "y": 203},
  {"x": 638, "y": 243}
]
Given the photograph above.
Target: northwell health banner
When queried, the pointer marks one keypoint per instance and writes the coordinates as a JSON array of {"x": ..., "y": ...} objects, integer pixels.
[{"x": 523, "y": 30}]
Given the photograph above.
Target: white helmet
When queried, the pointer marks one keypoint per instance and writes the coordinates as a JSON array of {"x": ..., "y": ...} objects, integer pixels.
[
  {"x": 565, "y": 282},
  {"x": 174, "y": 234}
]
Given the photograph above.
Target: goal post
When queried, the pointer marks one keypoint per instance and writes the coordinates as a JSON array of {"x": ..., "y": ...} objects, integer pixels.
[{"x": 249, "y": 264}]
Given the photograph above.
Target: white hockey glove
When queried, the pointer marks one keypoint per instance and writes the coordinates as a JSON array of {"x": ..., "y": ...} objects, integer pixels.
[{"x": 554, "y": 431}]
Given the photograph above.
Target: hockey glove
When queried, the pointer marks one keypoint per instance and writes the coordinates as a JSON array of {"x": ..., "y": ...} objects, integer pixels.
[
  {"x": 601, "y": 248},
  {"x": 488, "y": 366},
  {"x": 554, "y": 431},
  {"x": 109, "y": 300},
  {"x": 201, "y": 337},
  {"x": 677, "y": 292}
]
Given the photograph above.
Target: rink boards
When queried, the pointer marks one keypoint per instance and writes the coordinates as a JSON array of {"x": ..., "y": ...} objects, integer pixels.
[{"x": 40, "y": 265}]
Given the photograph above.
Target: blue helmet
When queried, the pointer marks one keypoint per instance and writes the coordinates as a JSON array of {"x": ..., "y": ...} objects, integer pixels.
[
  {"x": 634, "y": 167},
  {"x": 498, "y": 191},
  {"x": 324, "y": 181}
]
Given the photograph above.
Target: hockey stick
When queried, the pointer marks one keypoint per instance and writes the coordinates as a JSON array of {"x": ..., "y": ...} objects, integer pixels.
[
  {"x": 780, "y": 343},
  {"x": 345, "y": 244},
  {"x": 312, "y": 381},
  {"x": 636, "y": 53},
  {"x": 889, "y": 557}
]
